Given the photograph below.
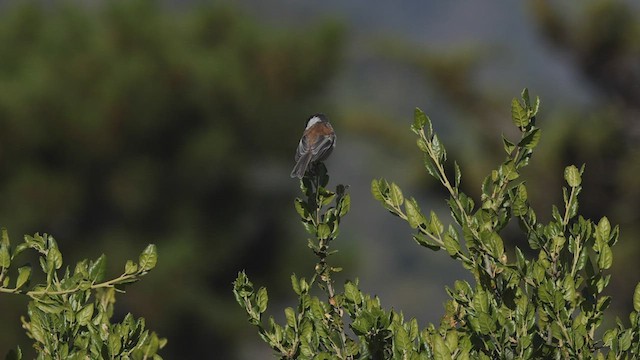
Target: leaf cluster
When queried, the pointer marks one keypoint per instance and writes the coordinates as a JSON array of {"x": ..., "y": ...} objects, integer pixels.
[
  {"x": 549, "y": 305},
  {"x": 69, "y": 315}
]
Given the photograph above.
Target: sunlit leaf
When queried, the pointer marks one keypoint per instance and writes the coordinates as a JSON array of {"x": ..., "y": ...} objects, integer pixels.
[
  {"x": 572, "y": 176},
  {"x": 24, "y": 273},
  {"x": 519, "y": 114},
  {"x": 262, "y": 299},
  {"x": 148, "y": 258}
]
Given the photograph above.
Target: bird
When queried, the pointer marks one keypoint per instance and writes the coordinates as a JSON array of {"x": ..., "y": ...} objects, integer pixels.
[{"x": 316, "y": 144}]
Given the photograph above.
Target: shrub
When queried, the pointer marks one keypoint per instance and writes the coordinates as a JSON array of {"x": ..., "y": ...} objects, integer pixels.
[
  {"x": 549, "y": 305},
  {"x": 69, "y": 315}
]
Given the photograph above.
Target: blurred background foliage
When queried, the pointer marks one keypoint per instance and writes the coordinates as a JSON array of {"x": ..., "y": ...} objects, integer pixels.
[{"x": 129, "y": 122}]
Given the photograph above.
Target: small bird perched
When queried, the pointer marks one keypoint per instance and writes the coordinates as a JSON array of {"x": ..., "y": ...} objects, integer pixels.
[{"x": 317, "y": 142}]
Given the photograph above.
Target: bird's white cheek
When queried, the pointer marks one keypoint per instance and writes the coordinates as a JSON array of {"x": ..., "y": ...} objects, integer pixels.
[{"x": 314, "y": 120}]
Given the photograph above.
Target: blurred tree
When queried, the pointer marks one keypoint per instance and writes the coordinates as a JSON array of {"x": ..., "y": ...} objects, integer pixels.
[{"x": 127, "y": 123}]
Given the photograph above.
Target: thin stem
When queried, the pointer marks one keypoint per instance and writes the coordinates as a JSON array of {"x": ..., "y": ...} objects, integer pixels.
[
  {"x": 565, "y": 219},
  {"x": 323, "y": 270},
  {"x": 35, "y": 294}
]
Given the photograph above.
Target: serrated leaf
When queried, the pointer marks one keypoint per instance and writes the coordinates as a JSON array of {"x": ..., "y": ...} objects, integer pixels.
[
  {"x": 401, "y": 339},
  {"x": 422, "y": 145},
  {"x": 430, "y": 166},
  {"x": 130, "y": 267},
  {"x": 440, "y": 349},
  {"x": 395, "y": 195},
  {"x": 323, "y": 231},
  {"x": 426, "y": 241},
  {"x": 451, "y": 245},
  {"x": 351, "y": 293},
  {"x": 262, "y": 299},
  {"x": 54, "y": 258},
  {"x": 4, "y": 240},
  {"x": 519, "y": 114},
  {"x": 148, "y": 258},
  {"x": 295, "y": 284},
  {"x": 572, "y": 176},
  {"x": 97, "y": 269},
  {"x": 24, "y": 273},
  {"x": 345, "y": 205},
  {"x": 458, "y": 174},
  {"x": 419, "y": 120},
  {"x": 531, "y": 139},
  {"x": 525, "y": 97},
  {"x": 300, "y": 208},
  {"x": 376, "y": 190},
  {"x": 439, "y": 152},
  {"x": 5, "y": 257},
  {"x": 603, "y": 230},
  {"x": 85, "y": 314},
  {"x": 435, "y": 225},
  {"x": 414, "y": 216},
  {"x": 290, "y": 315},
  {"x": 508, "y": 145},
  {"x": 636, "y": 298},
  {"x": 114, "y": 343},
  {"x": 605, "y": 260}
]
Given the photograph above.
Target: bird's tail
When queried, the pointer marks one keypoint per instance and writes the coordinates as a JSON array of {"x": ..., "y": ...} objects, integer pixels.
[{"x": 301, "y": 166}]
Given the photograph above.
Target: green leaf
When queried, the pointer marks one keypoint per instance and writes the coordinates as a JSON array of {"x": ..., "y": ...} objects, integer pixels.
[
  {"x": 481, "y": 301},
  {"x": 572, "y": 176},
  {"x": 295, "y": 284},
  {"x": 435, "y": 225},
  {"x": 636, "y": 298},
  {"x": 458, "y": 174},
  {"x": 626, "y": 339},
  {"x": 531, "y": 139},
  {"x": 114, "y": 343},
  {"x": 395, "y": 195},
  {"x": 262, "y": 299},
  {"x": 431, "y": 168},
  {"x": 345, "y": 205},
  {"x": 4, "y": 240},
  {"x": 422, "y": 145},
  {"x": 419, "y": 120},
  {"x": 525, "y": 96},
  {"x": 54, "y": 258},
  {"x": 323, "y": 231},
  {"x": 605, "y": 260},
  {"x": 440, "y": 349},
  {"x": 603, "y": 230},
  {"x": 97, "y": 269},
  {"x": 351, "y": 292},
  {"x": 23, "y": 276},
  {"x": 401, "y": 339},
  {"x": 85, "y": 314},
  {"x": 519, "y": 114},
  {"x": 130, "y": 267},
  {"x": 148, "y": 258},
  {"x": 290, "y": 315},
  {"x": 439, "y": 152},
  {"x": 508, "y": 145},
  {"x": 377, "y": 190},
  {"x": 414, "y": 216},
  {"x": 486, "y": 324},
  {"x": 426, "y": 241},
  {"x": 301, "y": 209},
  {"x": 451, "y": 245},
  {"x": 5, "y": 257}
]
